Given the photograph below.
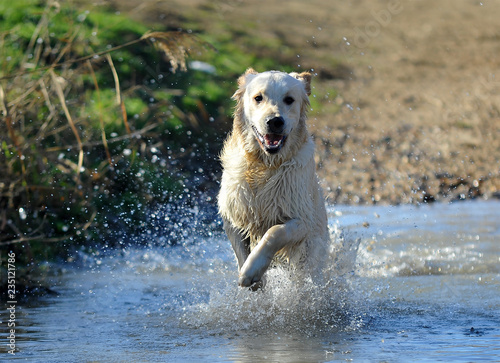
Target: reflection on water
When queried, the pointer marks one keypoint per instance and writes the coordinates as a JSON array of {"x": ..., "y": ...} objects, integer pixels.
[{"x": 424, "y": 285}]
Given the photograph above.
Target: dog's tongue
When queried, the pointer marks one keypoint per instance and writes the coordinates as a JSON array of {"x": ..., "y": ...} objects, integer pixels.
[{"x": 273, "y": 139}]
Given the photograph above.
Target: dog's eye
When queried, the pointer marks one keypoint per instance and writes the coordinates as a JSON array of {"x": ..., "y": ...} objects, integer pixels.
[
  {"x": 258, "y": 99},
  {"x": 288, "y": 100}
]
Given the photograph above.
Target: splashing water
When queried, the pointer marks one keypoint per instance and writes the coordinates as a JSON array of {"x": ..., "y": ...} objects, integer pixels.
[
  {"x": 290, "y": 300},
  {"x": 402, "y": 283}
]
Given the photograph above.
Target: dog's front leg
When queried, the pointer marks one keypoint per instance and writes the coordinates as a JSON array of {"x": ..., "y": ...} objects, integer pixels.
[
  {"x": 241, "y": 245},
  {"x": 274, "y": 240}
]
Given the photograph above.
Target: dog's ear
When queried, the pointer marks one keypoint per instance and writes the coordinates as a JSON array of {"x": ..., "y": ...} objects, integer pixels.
[
  {"x": 249, "y": 74},
  {"x": 305, "y": 78},
  {"x": 243, "y": 81}
]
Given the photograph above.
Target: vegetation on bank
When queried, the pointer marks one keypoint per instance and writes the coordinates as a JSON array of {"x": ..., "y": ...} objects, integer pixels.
[{"x": 101, "y": 118}]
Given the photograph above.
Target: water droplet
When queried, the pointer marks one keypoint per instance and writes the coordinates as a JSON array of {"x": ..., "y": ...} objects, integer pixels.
[{"x": 22, "y": 214}]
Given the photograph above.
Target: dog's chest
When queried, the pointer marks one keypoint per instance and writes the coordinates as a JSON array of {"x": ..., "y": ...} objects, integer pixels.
[
  {"x": 270, "y": 197},
  {"x": 255, "y": 196},
  {"x": 266, "y": 194}
]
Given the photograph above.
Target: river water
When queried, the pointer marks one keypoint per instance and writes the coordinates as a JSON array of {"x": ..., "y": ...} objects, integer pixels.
[{"x": 407, "y": 283}]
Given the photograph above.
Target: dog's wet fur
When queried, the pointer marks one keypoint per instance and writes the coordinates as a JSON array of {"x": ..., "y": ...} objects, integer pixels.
[{"x": 270, "y": 199}]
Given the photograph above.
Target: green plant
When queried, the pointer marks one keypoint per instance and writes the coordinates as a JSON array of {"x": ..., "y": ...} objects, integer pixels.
[{"x": 82, "y": 120}]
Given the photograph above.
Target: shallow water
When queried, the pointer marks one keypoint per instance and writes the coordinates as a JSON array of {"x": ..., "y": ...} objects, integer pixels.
[{"x": 408, "y": 284}]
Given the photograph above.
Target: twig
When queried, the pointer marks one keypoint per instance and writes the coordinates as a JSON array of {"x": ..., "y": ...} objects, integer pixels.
[
  {"x": 68, "y": 45},
  {"x": 3, "y": 107},
  {"x": 115, "y": 77},
  {"x": 101, "y": 121},
  {"x": 60, "y": 94},
  {"x": 50, "y": 106},
  {"x": 168, "y": 42},
  {"x": 115, "y": 139},
  {"x": 12, "y": 134},
  {"x": 26, "y": 246},
  {"x": 89, "y": 222},
  {"x": 124, "y": 115},
  {"x": 119, "y": 100},
  {"x": 42, "y": 23},
  {"x": 24, "y": 95},
  {"x": 42, "y": 238},
  {"x": 71, "y": 61}
]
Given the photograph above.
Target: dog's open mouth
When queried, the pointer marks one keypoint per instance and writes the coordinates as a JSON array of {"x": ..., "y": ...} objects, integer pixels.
[{"x": 271, "y": 143}]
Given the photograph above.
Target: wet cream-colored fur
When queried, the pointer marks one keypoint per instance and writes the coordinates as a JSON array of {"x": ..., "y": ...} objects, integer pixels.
[{"x": 270, "y": 200}]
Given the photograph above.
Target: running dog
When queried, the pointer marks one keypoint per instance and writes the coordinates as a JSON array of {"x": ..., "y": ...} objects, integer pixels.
[{"x": 270, "y": 200}]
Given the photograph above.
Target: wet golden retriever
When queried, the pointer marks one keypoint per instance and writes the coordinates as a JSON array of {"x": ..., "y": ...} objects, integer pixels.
[{"x": 270, "y": 200}]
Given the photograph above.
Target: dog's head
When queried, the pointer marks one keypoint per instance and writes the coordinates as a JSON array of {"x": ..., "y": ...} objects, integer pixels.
[{"x": 272, "y": 110}]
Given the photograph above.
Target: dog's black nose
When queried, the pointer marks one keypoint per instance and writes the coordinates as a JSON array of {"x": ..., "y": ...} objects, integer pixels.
[{"x": 276, "y": 125}]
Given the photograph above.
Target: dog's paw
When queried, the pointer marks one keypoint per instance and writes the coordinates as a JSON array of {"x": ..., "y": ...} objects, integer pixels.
[
  {"x": 253, "y": 269},
  {"x": 249, "y": 276},
  {"x": 259, "y": 285},
  {"x": 247, "y": 281},
  {"x": 254, "y": 286}
]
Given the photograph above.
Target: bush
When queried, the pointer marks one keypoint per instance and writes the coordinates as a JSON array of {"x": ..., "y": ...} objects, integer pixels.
[{"x": 83, "y": 136}]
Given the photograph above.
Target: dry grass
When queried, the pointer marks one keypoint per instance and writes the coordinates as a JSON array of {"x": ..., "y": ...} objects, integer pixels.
[{"x": 49, "y": 173}]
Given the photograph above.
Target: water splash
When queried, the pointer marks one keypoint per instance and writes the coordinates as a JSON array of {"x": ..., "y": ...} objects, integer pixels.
[{"x": 290, "y": 300}]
